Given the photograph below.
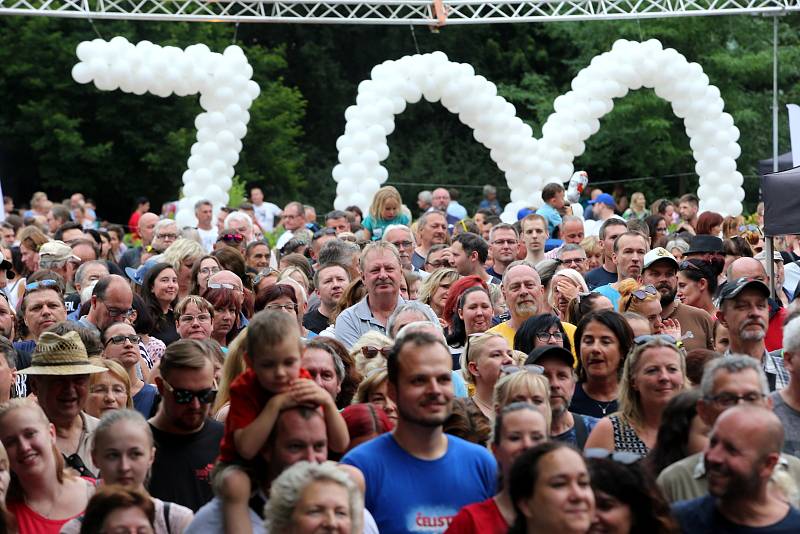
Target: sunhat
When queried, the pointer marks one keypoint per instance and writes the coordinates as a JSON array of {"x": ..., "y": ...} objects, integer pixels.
[{"x": 60, "y": 356}]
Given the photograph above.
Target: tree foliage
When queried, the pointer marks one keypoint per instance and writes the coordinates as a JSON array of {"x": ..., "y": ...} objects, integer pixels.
[{"x": 60, "y": 136}]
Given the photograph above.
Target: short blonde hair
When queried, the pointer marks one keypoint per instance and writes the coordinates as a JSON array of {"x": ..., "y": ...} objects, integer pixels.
[
  {"x": 627, "y": 302},
  {"x": 371, "y": 382},
  {"x": 473, "y": 350},
  {"x": 117, "y": 371},
  {"x": 181, "y": 250},
  {"x": 432, "y": 283},
  {"x": 523, "y": 380}
]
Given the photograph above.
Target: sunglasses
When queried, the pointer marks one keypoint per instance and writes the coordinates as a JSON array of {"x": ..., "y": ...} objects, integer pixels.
[
  {"x": 120, "y": 339},
  {"x": 371, "y": 352},
  {"x": 643, "y": 340},
  {"x": 264, "y": 274},
  {"x": 621, "y": 457},
  {"x": 529, "y": 368},
  {"x": 41, "y": 284},
  {"x": 641, "y": 294},
  {"x": 185, "y": 396},
  {"x": 236, "y": 238},
  {"x": 222, "y": 285}
]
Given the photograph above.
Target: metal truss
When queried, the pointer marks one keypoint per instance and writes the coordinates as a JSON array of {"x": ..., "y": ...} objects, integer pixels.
[{"x": 390, "y": 12}]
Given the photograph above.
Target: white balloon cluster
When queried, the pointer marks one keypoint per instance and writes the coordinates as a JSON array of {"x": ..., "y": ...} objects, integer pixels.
[
  {"x": 224, "y": 82},
  {"x": 530, "y": 163}
]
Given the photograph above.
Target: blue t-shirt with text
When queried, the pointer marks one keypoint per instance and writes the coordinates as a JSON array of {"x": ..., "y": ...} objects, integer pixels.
[{"x": 406, "y": 494}]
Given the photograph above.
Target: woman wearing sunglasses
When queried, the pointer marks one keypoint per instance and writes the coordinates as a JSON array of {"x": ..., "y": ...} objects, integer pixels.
[
  {"x": 370, "y": 351},
  {"x": 481, "y": 362},
  {"x": 121, "y": 344},
  {"x": 653, "y": 373},
  {"x": 697, "y": 283},
  {"x": 646, "y": 301},
  {"x": 517, "y": 428}
]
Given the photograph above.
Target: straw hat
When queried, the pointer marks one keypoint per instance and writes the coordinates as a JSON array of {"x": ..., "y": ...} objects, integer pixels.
[{"x": 61, "y": 355}]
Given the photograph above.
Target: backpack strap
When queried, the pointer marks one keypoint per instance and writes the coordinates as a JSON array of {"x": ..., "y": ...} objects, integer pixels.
[
  {"x": 166, "y": 515},
  {"x": 581, "y": 432}
]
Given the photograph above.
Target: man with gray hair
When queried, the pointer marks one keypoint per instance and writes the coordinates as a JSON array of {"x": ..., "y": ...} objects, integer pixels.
[
  {"x": 293, "y": 219},
  {"x": 786, "y": 402},
  {"x": 524, "y": 295},
  {"x": 337, "y": 219},
  {"x": 726, "y": 382},
  {"x": 341, "y": 252},
  {"x": 431, "y": 230},
  {"x": 165, "y": 233},
  {"x": 572, "y": 256},
  {"x": 402, "y": 238},
  {"x": 381, "y": 274},
  {"x": 242, "y": 223},
  {"x": 571, "y": 232},
  {"x": 424, "y": 200}
]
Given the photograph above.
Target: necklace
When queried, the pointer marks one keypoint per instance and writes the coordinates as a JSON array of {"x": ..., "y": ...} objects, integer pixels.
[
  {"x": 603, "y": 407},
  {"x": 485, "y": 408}
]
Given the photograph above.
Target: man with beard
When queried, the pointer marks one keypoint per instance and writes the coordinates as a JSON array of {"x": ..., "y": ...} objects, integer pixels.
[
  {"x": 417, "y": 477},
  {"x": 432, "y": 230},
  {"x": 330, "y": 281},
  {"x": 752, "y": 268},
  {"x": 566, "y": 426},
  {"x": 381, "y": 274},
  {"x": 697, "y": 326},
  {"x": 187, "y": 441},
  {"x": 524, "y": 295},
  {"x": 744, "y": 310},
  {"x": 629, "y": 251},
  {"x": 743, "y": 452},
  {"x": 726, "y": 383}
]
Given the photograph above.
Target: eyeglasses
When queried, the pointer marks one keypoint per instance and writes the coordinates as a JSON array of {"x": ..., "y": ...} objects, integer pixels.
[
  {"x": 621, "y": 457},
  {"x": 42, "y": 284},
  {"x": 166, "y": 236},
  {"x": 544, "y": 337},
  {"x": 285, "y": 307},
  {"x": 438, "y": 264},
  {"x": 264, "y": 274},
  {"x": 529, "y": 368},
  {"x": 641, "y": 340},
  {"x": 573, "y": 261},
  {"x": 403, "y": 244},
  {"x": 686, "y": 264},
  {"x": 222, "y": 285},
  {"x": 501, "y": 242},
  {"x": 749, "y": 228},
  {"x": 370, "y": 352},
  {"x": 641, "y": 294},
  {"x": 236, "y": 238},
  {"x": 185, "y": 396},
  {"x": 727, "y": 400},
  {"x": 209, "y": 270},
  {"x": 120, "y": 339},
  {"x": 200, "y": 317},
  {"x": 323, "y": 232}
]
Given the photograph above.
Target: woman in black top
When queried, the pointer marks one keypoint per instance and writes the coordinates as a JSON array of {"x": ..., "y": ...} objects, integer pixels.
[{"x": 160, "y": 294}]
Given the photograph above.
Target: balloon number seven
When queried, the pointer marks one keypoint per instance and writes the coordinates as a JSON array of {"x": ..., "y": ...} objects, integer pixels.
[{"x": 224, "y": 82}]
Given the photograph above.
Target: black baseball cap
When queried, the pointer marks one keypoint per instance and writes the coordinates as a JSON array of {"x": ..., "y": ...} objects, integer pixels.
[
  {"x": 734, "y": 287},
  {"x": 705, "y": 243},
  {"x": 550, "y": 351}
]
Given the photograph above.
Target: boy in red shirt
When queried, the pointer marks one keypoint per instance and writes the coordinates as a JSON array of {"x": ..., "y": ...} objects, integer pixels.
[{"x": 272, "y": 382}]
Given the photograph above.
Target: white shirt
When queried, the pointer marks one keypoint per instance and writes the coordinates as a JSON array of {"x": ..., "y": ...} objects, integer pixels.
[
  {"x": 265, "y": 215},
  {"x": 208, "y": 237}
]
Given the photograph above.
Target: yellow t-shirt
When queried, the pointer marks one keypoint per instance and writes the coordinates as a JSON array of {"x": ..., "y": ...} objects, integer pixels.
[{"x": 505, "y": 330}]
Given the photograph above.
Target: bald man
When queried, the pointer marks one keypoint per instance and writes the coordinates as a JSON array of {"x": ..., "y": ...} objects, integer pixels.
[
  {"x": 133, "y": 256},
  {"x": 743, "y": 451},
  {"x": 752, "y": 268}
]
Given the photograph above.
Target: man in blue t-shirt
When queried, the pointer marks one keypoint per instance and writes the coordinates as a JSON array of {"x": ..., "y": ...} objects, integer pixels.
[
  {"x": 417, "y": 477},
  {"x": 744, "y": 449},
  {"x": 607, "y": 272}
]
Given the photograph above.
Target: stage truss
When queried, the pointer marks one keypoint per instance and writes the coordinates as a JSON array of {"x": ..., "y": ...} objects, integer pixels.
[{"x": 390, "y": 12}]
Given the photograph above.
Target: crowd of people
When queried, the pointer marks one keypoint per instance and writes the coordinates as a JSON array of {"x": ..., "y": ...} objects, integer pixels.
[{"x": 597, "y": 367}]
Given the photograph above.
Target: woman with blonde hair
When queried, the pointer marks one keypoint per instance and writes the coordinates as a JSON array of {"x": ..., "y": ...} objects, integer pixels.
[
  {"x": 653, "y": 373},
  {"x": 434, "y": 292},
  {"x": 565, "y": 285},
  {"x": 110, "y": 390},
  {"x": 524, "y": 383},
  {"x": 646, "y": 301},
  {"x": 594, "y": 254},
  {"x": 374, "y": 389},
  {"x": 182, "y": 255},
  {"x": 124, "y": 450},
  {"x": 638, "y": 209},
  {"x": 484, "y": 357},
  {"x": 42, "y": 495},
  {"x": 233, "y": 367},
  {"x": 370, "y": 351},
  {"x": 297, "y": 274}
]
